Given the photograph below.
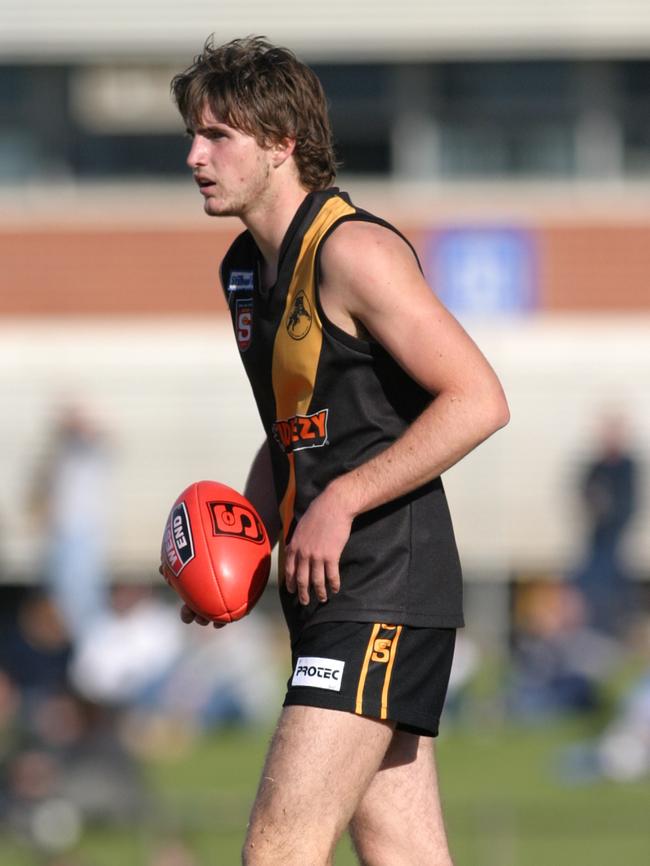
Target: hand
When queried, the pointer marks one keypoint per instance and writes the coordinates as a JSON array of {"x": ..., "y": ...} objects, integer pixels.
[
  {"x": 312, "y": 556},
  {"x": 188, "y": 615}
]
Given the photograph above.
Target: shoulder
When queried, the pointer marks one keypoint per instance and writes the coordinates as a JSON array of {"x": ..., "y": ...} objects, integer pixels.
[
  {"x": 360, "y": 241},
  {"x": 363, "y": 260}
]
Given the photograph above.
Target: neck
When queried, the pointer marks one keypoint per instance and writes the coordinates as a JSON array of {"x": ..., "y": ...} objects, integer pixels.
[{"x": 269, "y": 220}]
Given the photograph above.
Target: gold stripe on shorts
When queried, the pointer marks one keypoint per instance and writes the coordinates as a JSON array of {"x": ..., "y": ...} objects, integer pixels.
[
  {"x": 364, "y": 670},
  {"x": 389, "y": 670}
]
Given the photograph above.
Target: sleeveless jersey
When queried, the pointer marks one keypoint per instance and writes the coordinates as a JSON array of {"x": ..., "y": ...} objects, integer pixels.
[{"x": 328, "y": 402}]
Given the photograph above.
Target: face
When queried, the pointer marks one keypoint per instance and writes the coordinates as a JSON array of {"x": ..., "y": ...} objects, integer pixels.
[{"x": 230, "y": 168}]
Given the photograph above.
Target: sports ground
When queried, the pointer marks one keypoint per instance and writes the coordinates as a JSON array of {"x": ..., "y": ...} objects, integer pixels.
[{"x": 504, "y": 802}]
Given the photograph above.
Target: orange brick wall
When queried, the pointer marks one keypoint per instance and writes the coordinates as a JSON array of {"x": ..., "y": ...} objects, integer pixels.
[{"x": 71, "y": 270}]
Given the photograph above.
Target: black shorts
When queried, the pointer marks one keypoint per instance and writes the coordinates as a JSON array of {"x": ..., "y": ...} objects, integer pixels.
[{"x": 394, "y": 672}]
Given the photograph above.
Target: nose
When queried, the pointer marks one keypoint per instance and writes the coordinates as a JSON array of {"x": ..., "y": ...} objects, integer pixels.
[{"x": 197, "y": 155}]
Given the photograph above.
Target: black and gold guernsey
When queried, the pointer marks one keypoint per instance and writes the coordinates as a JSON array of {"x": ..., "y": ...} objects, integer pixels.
[{"x": 328, "y": 402}]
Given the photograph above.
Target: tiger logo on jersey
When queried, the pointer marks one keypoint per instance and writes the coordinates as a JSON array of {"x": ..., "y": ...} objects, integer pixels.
[{"x": 300, "y": 317}]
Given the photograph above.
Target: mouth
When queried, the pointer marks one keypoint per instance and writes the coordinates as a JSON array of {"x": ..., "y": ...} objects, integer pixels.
[{"x": 204, "y": 184}]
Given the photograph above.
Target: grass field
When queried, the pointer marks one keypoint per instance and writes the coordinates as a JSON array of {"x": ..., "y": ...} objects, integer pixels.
[{"x": 503, "y": 801}]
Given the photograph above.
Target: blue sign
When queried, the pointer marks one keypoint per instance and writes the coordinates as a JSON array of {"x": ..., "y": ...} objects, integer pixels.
[{"x": 483, "y": 271}]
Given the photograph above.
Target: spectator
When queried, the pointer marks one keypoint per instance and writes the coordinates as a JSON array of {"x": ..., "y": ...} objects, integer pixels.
[
  {"x": 622, "y": 752},
  {"x": 139, "y": 656},
  {"x": 69, "y": 497},
  {"x": 609, "y": 496},
  {"x": 559, "y": 661}
]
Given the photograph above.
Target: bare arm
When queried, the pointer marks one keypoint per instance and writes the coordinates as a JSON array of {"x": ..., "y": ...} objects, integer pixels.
[
  {"x": 371, "y": 281},
  {"x": 260, "y": 490}
]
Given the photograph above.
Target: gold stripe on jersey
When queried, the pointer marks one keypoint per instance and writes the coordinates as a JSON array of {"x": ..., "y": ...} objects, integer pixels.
[
  {"x": 389, "y": 670},
  {"x": 295, "y": 358},
  {"x": 358, "y": 709}
]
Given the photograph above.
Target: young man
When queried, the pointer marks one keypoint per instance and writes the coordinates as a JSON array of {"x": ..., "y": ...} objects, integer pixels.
[{"x": 368, "y": 390}]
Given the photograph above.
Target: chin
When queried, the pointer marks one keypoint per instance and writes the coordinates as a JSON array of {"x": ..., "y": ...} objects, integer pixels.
[
  {"x": 215, "y": 208},
  {"x": 211, "y": 207}
]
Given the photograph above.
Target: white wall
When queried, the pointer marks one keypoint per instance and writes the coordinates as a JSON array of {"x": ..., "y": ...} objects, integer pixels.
[
  {"x": 41, "y": 29},
  {"x": 515, "y": 500}
]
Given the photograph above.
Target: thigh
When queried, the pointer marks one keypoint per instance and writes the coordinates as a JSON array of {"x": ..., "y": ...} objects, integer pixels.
[
  {"x": 320, "y": 762},
  {"x": 399, "y": 819}
]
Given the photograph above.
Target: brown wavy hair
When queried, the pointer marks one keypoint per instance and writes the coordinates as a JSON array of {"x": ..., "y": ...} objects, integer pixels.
[{"x": 264, "y": 91}]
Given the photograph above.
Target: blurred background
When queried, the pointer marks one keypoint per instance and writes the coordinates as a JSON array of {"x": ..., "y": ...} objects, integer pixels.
[{"x": 511, "y": 142}]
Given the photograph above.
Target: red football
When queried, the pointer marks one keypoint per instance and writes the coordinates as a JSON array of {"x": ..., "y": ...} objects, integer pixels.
[{"x": 215, "y": 551}]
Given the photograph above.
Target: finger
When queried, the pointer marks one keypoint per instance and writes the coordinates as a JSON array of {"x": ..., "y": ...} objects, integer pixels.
[
  {"x": 317, "y": 579},
  {"x": 290, "y": 570},
  {"x": 187, "y": 614},
  {"x": 332, "y": 576},
  {"x": 219, "y": 624},
  {"x": 302, "y": 581}
]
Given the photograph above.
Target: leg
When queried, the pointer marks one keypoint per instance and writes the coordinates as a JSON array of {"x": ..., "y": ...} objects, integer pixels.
[
  {"x": 399, "y": 819},
  {"x": 319, "y": 764}
]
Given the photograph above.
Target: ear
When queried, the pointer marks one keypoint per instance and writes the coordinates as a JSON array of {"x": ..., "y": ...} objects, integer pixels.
[{"x": 282, "y": 150}]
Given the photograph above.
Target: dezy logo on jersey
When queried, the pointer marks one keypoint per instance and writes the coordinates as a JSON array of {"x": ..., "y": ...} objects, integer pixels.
[
  {"x": 318, "y": 673},
  {"x": 229, "y": 518},
  {"x": 244, "y": 322},
  {"x": 302, "y": 431},
  {"x": 177, "y": 541}
]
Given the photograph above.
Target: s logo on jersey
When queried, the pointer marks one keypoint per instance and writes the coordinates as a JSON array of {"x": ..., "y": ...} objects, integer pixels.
[
  {"x": 228, "y": 518},
  {"x": 244, "y": 322},
  {"x": 302, "y": 431},
  {"x": 299, "y": 319}
]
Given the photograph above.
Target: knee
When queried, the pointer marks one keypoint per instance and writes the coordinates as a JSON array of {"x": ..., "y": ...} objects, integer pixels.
[
  {"x": 265, "y": 852},
  {"x": 269, "y": 844},
  {"x": 252, "y": 855},
  {"x": 269, "y": 856},
  {"x": 385, "y": 844},
  {"x": 265, "y": 845}
]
